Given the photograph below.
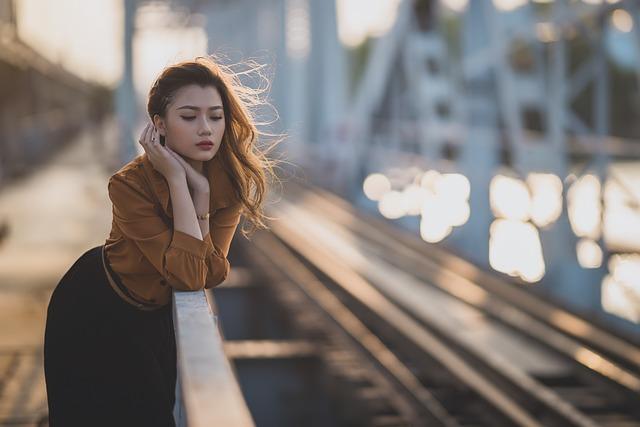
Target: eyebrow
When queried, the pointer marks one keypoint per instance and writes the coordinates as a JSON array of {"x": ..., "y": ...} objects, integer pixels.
[{"x": 193, "y": 107}]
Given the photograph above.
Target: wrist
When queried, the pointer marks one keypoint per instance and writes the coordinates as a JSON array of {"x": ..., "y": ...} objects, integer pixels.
[
  {"x": 202, "y": 190},
  {"x": 177, "y": 180},
  {"x": 201, "y": 203}
]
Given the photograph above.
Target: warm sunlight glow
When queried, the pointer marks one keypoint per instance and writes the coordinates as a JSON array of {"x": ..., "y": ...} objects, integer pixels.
[
  {"x": 546, "y": 198},
  {"x": 375, "y": 186},
  {"x": 159, "y": 42},
  {"x": 546, "y": 32},
  {"x": 621, "y": 287},
  {"x": 622, "y": 215},
  {"x": 414, "y": 197},
  {"x": 392, "y": 205},
  {"x": 452, "y": 191},
  {"x": 459, "y": 211},
  {"x": 615, "y": 300},
  {"x": 445, "y": 206},
  {"x": 509, "y": 198},
  {"x": 589, "y": 253},
  {"x": 455, "y": 5},
  {"x": 298, "y": 40},
  {"x": 622, "y": 20},
  {"x": 84, "y": 37},
  {"x": 429, "y": 179},
  {"x": 453, "y": 185},
  {"x": 507, "y": 5},
  {"x": 434, "y": 225},
  {"x": 358, "y": 19},
  {"x": 626, "y": 268},
  {"x": 584, "y": 207},
  {"x": 515, "y": 249}
]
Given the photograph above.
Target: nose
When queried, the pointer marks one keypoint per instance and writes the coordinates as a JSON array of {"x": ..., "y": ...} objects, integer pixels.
[{"x": 205, "y": 129}]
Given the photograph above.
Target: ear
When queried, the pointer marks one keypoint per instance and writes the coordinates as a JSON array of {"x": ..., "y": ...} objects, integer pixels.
[{"x": 159, "y": 123}]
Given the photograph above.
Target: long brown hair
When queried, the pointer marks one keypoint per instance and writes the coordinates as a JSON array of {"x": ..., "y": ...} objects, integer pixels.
[{"x": 249, "y": 167}]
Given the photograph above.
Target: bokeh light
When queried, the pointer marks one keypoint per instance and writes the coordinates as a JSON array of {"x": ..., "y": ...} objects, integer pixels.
[
  {"x": 508, "y": 5},
  {"x": 392, "y": 205},
  {"x": 589, "y": 253},
  {"x": 584, "y": 207},
  {"x": 434, "y": 228},
  {"x": 515, "y": 249},
  {"x": 455, "y": 5},
  {"x": 414, "y": 197},
  {"x": 622, "y": 20},
  {"x": 453, "y": 185},
  {"x": 375, "y": 186},
  {"x": 546, "y": 198},
  {"x": 445, "y": 206},
  {"x": 298, "y": 35},
  {"x": 509, "y": 198},
  {"x": 621, "y": 287}
]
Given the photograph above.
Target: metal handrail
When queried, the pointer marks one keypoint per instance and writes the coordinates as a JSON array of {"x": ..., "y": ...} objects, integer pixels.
[{"x": 207, "y": 391}]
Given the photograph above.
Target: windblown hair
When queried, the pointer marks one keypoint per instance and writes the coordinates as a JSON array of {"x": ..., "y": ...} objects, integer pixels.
[{"x": 249, "y": 166}]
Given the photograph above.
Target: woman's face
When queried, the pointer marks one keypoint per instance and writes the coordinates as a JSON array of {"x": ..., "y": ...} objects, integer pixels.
[{"x": 194, "y": 116}]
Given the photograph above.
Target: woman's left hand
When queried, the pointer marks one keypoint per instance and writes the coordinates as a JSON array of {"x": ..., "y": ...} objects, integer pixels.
[{"x": 195, "y": 180}]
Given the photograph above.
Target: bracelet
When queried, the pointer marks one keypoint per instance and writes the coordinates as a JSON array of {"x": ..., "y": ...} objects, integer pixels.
[{"x": 203, "y": 216}]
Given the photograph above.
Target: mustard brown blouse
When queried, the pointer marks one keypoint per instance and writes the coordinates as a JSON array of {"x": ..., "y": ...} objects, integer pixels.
[{"x": 147, "y": 254}]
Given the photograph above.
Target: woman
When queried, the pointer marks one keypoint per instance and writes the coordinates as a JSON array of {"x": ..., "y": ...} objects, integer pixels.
[{"x": 110, "y": 356}]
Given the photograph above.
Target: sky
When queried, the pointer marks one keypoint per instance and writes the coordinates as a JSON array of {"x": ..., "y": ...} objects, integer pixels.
[{"x": 85, "y": 37}]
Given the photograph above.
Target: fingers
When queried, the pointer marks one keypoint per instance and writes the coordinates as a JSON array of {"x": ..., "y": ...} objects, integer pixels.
[
  {"x": 148, "y": 130},
  {"x": 143, "y": 137},
  {"x": 149, "y": 139},
  {"x": 151, "y": 135},
  {"x": 177, "y": 156},
  {"x": 155, "y": 139},
  {"x": 173, "y": 153}
]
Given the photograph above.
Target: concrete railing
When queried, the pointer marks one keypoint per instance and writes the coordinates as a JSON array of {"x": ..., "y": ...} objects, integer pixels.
[{"x": 207, "y": 393}]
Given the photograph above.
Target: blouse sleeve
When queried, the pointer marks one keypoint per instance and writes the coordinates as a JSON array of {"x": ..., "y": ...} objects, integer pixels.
[
  {"x": 177, "y": 256},
  {"x": 222, "y": 228}
]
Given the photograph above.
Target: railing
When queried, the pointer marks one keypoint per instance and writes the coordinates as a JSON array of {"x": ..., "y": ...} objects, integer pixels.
[{"x": 207, "y": 392}]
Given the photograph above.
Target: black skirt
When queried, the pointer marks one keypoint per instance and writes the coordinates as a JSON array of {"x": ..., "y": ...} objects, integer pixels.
[{"x": 106, "y": 362}]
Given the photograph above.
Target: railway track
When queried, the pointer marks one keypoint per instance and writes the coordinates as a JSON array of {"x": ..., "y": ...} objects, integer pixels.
[{"x": 439, "y": 342}]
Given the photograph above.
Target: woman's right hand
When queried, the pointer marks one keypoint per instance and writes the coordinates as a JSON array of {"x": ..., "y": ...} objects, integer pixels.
[{"x": 159, "y": 156}]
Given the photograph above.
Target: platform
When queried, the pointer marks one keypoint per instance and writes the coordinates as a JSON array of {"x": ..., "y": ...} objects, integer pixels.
[{"x": 53, "y": 216}]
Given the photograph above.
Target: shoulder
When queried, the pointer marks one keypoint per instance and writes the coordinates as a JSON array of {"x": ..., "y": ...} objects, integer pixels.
[
  {"x": 127, "y": 183},
  {"x": 134, "y": 167}
]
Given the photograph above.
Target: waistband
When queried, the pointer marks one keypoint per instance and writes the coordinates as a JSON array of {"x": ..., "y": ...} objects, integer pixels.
[{"x": 123, "y": 292}]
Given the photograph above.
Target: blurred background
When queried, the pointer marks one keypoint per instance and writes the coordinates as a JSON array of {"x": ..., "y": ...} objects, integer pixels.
[{"x": 503, "y": 132}]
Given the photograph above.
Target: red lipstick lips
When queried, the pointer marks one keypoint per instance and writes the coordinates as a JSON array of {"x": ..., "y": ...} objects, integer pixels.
[{"x": 205, "y": 145}]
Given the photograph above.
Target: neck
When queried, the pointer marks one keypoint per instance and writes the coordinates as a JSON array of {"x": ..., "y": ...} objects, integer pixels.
[{"x": 196, "y": 164}]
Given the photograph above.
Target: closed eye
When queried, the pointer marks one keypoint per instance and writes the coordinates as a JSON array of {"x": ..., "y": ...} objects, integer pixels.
[{"x": 192, "y": 118}]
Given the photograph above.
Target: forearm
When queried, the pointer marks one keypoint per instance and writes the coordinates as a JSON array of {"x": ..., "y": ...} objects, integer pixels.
[
  {"x": 201, "y": 204},
  {"x": 184, "y": 211}
]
